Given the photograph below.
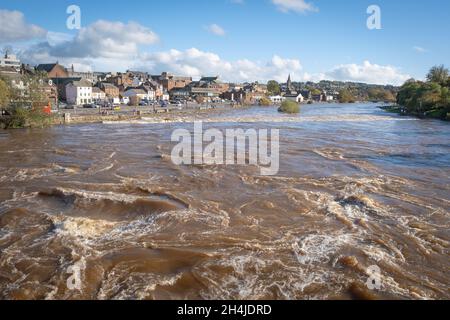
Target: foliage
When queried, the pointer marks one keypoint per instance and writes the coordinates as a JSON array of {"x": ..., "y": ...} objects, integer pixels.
[
  {"x": 289, "y": 106},
  {"x": 20, "y": 117},
  {"x": 438, "y": 74},
  {"x": 265, "y": 102},
  {"x": 345, "y": 96},
  {"x": 273, "y": 87},
  {"x": 380, "y": 94},
  {"x": 430, "y": 98},
  {"x": 24, "y": 102},
  {"x": 4, "y": 94},
  {"x": 315, "y": 91}
]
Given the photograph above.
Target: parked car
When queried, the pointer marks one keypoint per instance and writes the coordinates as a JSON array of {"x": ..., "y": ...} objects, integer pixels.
[
  {"x": 66, "y": 106},
  {"x": 90, "y": 106}
]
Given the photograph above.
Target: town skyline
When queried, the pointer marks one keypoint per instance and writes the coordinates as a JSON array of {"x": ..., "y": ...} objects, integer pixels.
[{"x": 118, "y": 39}]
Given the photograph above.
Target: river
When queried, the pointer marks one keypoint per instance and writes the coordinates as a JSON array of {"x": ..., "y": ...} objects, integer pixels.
[{"x": 357, "y": 188}]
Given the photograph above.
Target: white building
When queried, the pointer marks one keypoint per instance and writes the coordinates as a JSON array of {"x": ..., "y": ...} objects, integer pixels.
[
  {"x": 297, "y": 97},
  {"x": 165, "y": 96},
  {"x": 79, "y": 92},
  {"x": 125, "y": 100},
  {"x": 277, "y": 99},
  {"x": 141, "y": 94},
  {"x": 10, "y": 60}
]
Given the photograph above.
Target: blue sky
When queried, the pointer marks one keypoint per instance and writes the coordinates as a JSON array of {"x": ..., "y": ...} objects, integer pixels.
[{"x": 241, "y": 40}]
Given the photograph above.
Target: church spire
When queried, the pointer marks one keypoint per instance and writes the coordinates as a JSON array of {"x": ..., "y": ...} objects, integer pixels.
[{"x": 289, "y": 83}]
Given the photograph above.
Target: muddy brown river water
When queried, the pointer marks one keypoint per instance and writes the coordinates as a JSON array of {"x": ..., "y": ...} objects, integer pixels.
[{"x": 357, "y": 187}]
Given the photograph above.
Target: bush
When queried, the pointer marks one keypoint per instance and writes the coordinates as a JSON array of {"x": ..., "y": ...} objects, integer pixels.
[
  {"x": 345, "y": 96},
  {"x": 289, "y": 106},
  {"x": 21, "y": 117},
  {"x": 265, "y": 102}
]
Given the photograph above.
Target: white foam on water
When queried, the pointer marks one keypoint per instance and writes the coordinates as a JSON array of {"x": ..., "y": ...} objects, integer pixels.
[
  {"x": 82, "y": 227},
  {"x": 121, "y": 284},
  {"x": 318, "y": 248},
  {"x": 261, "y": 119}
]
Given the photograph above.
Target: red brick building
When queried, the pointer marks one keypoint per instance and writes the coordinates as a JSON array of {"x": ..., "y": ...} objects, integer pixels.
[{"x": 53, "y": 70}]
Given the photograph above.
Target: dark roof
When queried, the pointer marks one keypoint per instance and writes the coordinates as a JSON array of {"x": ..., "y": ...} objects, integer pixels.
[
  {"x": 81, "y": 83},
  {"x": 107, "y": 84},
  {"x": 46, "y": 67},
  {"x": 137, "y": 91},
  {"x": 209, "y": 79},
  {"x": 97, "y": 90}
]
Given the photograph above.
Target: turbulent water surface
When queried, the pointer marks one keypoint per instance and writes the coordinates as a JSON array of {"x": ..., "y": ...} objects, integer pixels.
[{"x": 357, "y": 187}]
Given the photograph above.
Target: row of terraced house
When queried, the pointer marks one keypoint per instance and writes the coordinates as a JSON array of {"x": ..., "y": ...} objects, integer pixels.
[{"x": 131, "y": 87}]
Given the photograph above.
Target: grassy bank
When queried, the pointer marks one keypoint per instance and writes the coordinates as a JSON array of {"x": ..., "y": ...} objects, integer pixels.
[
  {"x": 432, "y": 114},
  {"x": 25, "y": 118}
]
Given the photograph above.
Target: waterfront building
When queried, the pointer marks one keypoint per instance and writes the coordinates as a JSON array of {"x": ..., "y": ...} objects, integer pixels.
[
  {"x": 79, "y": 92},
  {"x": 98, "y": 94},
  {"x": 110, "y": 90},
  {"x": 169, "y": 81}
]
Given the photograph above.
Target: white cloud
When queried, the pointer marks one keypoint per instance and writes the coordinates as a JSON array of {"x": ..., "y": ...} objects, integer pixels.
[
  {"x": 216, "y": 30},
  {"x": 420, "y": 49},
  {"x": 13, "y": 27},
  {"x": 369, "y": 73},
  {"x": 58, "y": 38},
  {"x": 300, "y": 6},
  {"x": 196, "y": 63},
  {"x": 107, "y": 39},
  {"x": 103, "y": 44}
]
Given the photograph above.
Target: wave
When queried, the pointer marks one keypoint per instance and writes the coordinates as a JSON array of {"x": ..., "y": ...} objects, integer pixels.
[
  {"x": 107, "y": 205},
  {"x": 262, "y": 119}
]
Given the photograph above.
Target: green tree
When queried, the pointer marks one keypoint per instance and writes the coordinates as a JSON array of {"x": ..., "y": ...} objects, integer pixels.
[
  {"x": 265, "y": 102},
  {"x": 315, "y": 91},
  {"x": 380, "y": 94},
  {"x": 273, "y": 87},
  {"x": 345, "y": 96},
  {"x": 4, "y": 94},
  {"x": 438, "y": 74},
  {"x": 430, "y": 99},
  {"x": 26, "y": 103},
  {"x": 289, "y": 106}
]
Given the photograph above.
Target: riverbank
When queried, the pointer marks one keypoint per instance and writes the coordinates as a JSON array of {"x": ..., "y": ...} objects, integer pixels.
[
  {"x": 75, "y": 117},
  {"x": 433, "y": 114}
]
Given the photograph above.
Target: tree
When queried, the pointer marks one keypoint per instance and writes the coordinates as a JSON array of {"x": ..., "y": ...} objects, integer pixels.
[
  {"x": 26, "y": 102},
  {"x": 380, "y": 94},
  {"x": 345, "y": 96},
  {"x": 438, "y": 74},
  {"x": 289, "y": 106},
  {"x": 315, "y": 91},
  {"x": 4, "y": 94},
  {"x": 430, "y": 99},
  {"x": 264, "y": 102},
  {"x": 273, "y": 87}
]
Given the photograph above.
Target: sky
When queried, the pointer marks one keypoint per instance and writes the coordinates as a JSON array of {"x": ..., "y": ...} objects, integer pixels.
[{"x": 239, "y": 40}]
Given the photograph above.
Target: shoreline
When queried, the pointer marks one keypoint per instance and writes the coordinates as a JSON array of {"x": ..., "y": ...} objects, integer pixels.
[
  {"x": 68, "y": 118},
  {"x": 398, "y": 110}
]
